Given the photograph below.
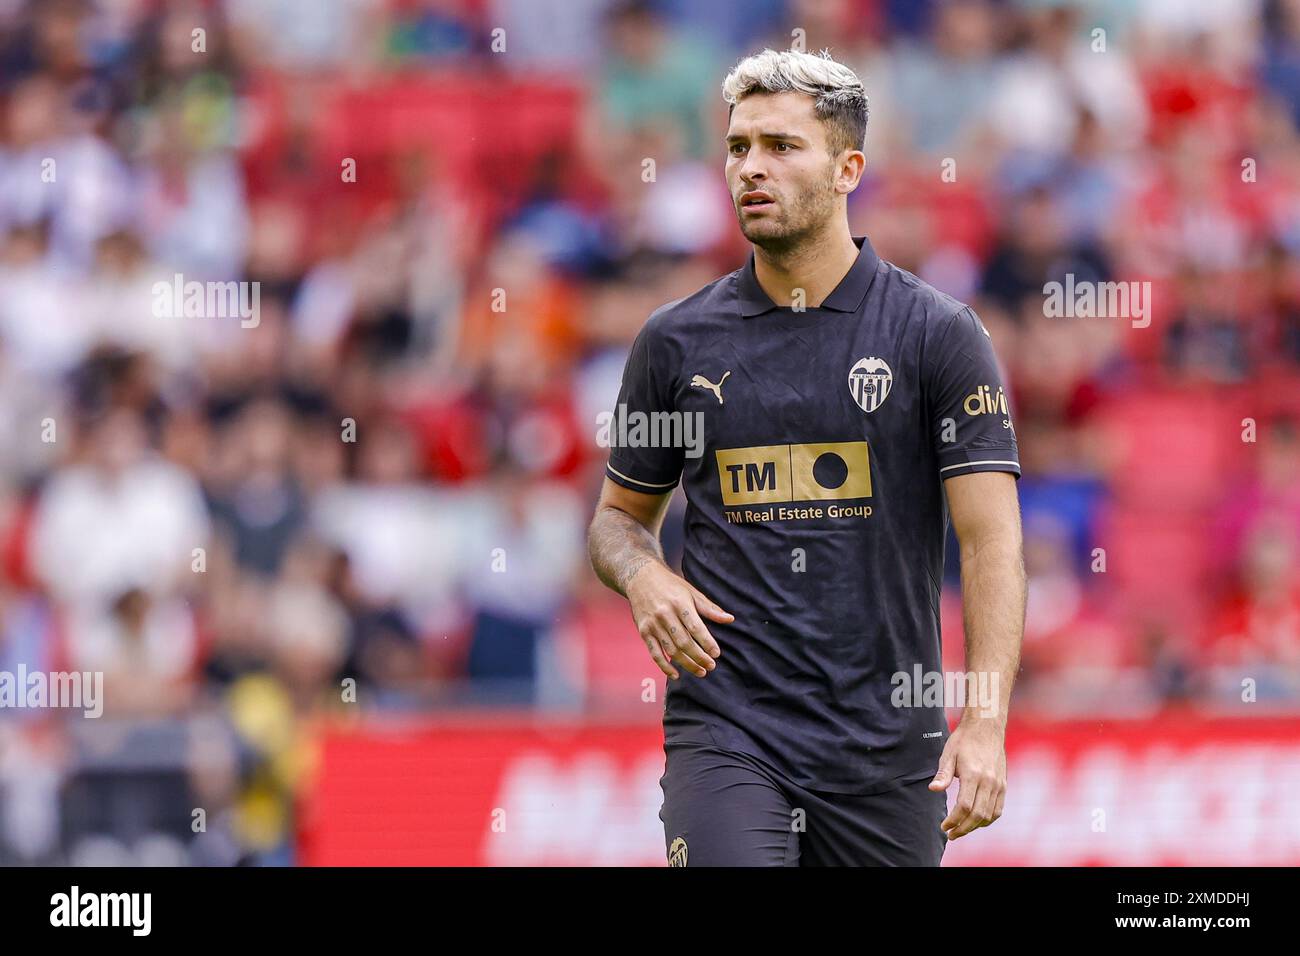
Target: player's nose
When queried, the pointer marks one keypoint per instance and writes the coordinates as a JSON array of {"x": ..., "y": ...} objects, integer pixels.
[{"x": 751, "y": 170}]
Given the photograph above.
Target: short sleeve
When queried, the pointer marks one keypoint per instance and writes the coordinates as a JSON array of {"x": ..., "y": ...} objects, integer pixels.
[
  {"x": 643, "y": 456},
  {"x": 969, "y": 405}
]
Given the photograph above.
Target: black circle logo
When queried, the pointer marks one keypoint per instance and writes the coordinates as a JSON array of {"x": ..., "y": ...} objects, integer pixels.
[{"x": 830, "y": 470}]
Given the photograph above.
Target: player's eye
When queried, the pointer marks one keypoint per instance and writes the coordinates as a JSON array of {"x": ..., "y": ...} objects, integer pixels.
[
  {"x": 736, "y": 146},
  {"x": 780, "y": 145}
]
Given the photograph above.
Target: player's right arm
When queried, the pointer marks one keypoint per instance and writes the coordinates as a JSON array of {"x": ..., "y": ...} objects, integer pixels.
[{"x": 623, "y": 541}]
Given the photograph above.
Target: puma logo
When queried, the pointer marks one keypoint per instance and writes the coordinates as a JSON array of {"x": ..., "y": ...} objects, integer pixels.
[{"x": 700, "y": 381}]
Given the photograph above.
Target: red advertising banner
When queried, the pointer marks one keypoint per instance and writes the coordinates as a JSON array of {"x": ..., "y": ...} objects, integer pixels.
[{"x": 1173, "y": 791}]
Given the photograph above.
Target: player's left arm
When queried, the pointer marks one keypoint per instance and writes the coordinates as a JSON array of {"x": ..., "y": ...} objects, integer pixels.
[{"x": 986, "y": 516}]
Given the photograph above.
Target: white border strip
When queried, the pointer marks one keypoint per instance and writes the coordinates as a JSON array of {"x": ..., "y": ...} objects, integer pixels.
[
  {"x": 645, "y": 484},
  {"x": 967, "y": 464}
]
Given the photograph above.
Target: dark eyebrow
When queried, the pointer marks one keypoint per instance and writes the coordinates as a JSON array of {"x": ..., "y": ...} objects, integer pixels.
[{"x": 736, "y": 137}]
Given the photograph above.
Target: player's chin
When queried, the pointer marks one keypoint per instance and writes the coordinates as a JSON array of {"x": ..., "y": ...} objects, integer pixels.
[{"x": 755, "y": 228}]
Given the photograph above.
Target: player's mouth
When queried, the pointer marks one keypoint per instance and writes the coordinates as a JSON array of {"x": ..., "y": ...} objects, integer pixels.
[{"x": 756, "y": 201}]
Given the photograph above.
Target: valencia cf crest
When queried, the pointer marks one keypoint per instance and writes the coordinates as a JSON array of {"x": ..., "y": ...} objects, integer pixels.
[
  {"x": 869, "y": 383},
  {"x": 677, "y": 853}
]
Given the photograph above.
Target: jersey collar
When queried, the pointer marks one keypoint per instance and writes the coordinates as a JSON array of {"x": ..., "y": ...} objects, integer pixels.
[{"x": 846, "y": 297}]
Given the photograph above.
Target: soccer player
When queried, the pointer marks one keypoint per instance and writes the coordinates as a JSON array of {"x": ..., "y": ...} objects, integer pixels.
[{"x": 846, "y": 408}]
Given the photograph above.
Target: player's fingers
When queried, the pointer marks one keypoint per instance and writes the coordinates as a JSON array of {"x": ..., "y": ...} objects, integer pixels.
[
  {"x": 710, "y": 610},
  {"x": 654, "y": 644},
  {"x": 668, "y": 630},
  {"x": 986, "y": 799},
  {"x": 690, "y": 653},
  {"x": 678, "y": 656},
  {"x": 947, "y": 767},
  {"x": 657, "y": 655},
  {"x": 961, "y": 812},
  {"x": 1001, "y": 802},
  {"x": 697, "y": 629},
  {"x": 972, "y": 822}
]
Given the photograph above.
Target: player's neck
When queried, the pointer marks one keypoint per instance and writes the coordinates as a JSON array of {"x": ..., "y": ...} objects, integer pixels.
[{"x": 816, "y": 267}]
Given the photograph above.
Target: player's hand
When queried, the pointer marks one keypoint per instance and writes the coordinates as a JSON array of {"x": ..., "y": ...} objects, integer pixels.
[
  {"x": 976, "y": 754},
  {"x": 668, "y": 611}
]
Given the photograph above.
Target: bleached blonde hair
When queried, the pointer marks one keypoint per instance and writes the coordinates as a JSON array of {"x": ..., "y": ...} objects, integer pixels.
[{"x": 841, "y": 99}]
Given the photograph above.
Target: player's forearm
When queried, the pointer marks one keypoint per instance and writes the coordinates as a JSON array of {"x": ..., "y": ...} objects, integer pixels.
[
  {"x": 620, "y": 546},
  {"x": 993, "y": 604}
]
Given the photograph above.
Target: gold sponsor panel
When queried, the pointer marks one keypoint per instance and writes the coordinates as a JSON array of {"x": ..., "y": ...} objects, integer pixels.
[
  {"x": 754, "y": 476},
  {"x": 765, "y": 474},
  {"x": 805, "y": 485}
]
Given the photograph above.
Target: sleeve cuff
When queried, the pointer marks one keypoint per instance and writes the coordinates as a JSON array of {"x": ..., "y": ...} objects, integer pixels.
[
  {"x": 638, "y": 483},
  {"x": 976, "y": 460}
]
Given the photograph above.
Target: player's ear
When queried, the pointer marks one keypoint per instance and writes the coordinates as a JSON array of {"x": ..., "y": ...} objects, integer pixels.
[{"x": 852, "y": 164}]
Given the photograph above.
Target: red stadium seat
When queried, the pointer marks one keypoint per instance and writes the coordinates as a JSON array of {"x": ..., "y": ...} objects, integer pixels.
[
  {"x": 1155, "y": 563},
  {"x": 1174, "y": 448}
]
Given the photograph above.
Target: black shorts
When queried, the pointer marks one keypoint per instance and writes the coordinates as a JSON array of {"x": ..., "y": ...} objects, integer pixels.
[{"x": 723, "y": 808}]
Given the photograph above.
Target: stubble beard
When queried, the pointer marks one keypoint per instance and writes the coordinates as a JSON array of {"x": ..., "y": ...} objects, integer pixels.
[{"x": 799, "y": 221}]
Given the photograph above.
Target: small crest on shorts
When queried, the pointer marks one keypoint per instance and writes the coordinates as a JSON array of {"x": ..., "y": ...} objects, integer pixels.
[{"x": 677, "y": 853}]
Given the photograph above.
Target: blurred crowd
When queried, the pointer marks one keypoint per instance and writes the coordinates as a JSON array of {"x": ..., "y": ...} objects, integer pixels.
[{"x": 373, "y": 493}]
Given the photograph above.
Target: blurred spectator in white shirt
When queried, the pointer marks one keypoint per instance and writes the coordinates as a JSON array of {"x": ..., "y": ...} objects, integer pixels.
[{"x": 123, "y": 518}]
